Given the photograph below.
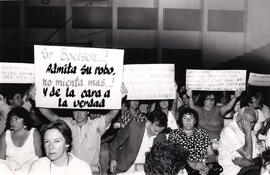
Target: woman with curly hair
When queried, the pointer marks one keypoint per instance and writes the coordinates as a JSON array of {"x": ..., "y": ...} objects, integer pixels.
[{"x": 196, "y": 141}]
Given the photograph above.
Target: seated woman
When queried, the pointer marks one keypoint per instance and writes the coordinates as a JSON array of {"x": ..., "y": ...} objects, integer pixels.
[
  {"x": 195, "y": 140},
  {"x": 57, "y": 139},
  {"x": 20, "y": 143}
]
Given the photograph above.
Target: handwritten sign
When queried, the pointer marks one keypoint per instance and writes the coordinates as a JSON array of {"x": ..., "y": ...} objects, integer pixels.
[
  {"x": 149, "y": 81},
  {"x": 259, "y": 79},
  {"x": 216, "y": 80},
  {"x": 16, "y": 73},
  {"x": 78, "y": 77}
]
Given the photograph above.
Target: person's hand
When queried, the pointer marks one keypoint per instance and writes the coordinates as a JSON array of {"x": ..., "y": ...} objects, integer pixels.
[
  {"x": 246, "y": 125},
  {"x": 26, "y": 103},
  {"x": 238, "y": 93},
  {"x": 117, "y": 125},
  {"x": 32, "y": 92},
  {"x": 242, "y": 162},
  {"x": 202, "y": 168},
  {"x": 189, "y": 92},
  {"x": 123, "y": 90},
  {"x": 113, "y": 164},
  {"x": 2, "y": 100},
  {"x": 204, "y": 171}
]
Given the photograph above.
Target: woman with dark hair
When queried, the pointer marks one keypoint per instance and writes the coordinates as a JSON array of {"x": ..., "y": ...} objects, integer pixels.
[
  {"x": 211, "y": 116},
  {"x": 169, "y": 108},
  {"x": 195, "y": 140},
  {"x": 20, "y": 144},
  {"x": 57, "y": 139},
  {"x": 166, "y": 158}
]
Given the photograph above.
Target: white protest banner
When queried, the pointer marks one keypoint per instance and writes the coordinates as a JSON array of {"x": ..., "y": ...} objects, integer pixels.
[
  {"x": 78, "y": 77},
  {"x": 19, "y": 73},
  {"x": 216, "y": 80},
  {"x": 259, "y": 79},
  {"x": 149, "y": 81}
]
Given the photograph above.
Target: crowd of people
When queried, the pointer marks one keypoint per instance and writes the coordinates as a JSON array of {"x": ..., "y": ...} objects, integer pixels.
[{"x": 186, "y": 135}]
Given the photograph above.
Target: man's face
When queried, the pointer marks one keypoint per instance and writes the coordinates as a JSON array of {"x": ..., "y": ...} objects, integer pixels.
[
  {"x": 154, "y": 129},
  {"x": 80, "y": 116}
]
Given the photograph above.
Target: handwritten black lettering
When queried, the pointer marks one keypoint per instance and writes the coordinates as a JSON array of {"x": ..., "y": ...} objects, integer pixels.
[
  {"x": 89, "y": 103},
  {"x": 66, "y": 69},
  {"x": 55, "y": 92},
  {"x": 104, "y": 70},
  {"x": 90, "y": 93},
  {"x": 62, "y": 103},
  {"x": 86, "y": 70},
  {"x": 107, "y": 94},
  {"x": 70, "y": 93}
]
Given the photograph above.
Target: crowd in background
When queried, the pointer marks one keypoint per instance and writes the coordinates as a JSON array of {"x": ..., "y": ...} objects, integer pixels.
[{"x": 198, "y": 132}]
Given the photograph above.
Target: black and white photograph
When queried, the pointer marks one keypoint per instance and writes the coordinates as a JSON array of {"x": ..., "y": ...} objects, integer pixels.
[{"x": 134, "y": 87}]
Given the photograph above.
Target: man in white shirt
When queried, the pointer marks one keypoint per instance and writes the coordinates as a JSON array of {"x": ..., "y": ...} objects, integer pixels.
[{"x": 238, "y": 144}]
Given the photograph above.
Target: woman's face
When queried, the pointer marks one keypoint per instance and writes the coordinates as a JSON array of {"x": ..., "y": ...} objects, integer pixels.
[
  {"x": 54, "y": 144},
  {"x": 164, "y": 104},
  {"x": 188, "y": 121},
  {"x": 209, "y": 101},
  {"x": 134, "y": 104},
  {"x": 16, "y": 100},
  {"x": 16, "y": 122}
]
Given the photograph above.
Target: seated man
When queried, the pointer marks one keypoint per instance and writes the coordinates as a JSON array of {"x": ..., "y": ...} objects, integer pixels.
[
  {"x": 135, "y": 140},
  {"x": 166, "y": 158},
  {"x": 238, "y": 144}
]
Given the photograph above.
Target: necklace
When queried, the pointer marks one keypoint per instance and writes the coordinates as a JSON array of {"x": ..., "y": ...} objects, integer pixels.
[{"x": 56, "y": 166}]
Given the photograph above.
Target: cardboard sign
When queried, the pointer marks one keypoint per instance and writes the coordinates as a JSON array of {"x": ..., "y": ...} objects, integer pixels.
[
  {"x": 16, "y": 73},
  {"x": 259, "y": 79},
  {"x": 216, "y": 80},
  {"x": 78, "y": 77},
  {"x": 149, "y": 81}
]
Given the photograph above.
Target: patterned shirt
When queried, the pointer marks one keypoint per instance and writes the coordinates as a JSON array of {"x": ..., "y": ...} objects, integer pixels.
[
  {"x": 196, "y": 144},
  {"x": 127, "y": 117}
]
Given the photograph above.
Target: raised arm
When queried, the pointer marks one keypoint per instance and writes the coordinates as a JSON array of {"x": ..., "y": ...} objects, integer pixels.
[
  {"x": 190, "y": 100},
  {"x": 111, "y": 115},
  {"x": 229, "y": 106},
  {"x": 4, "y": 109},
  {"x": 246, "y": 150},
  {"x": 49, "y": 114},
  {"x": 174, "y": 103}
]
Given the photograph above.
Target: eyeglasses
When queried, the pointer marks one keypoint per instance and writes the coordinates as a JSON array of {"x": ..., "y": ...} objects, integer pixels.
[
  {"x": 254, "y": 100},
  {"x": 210, "y": 99}
]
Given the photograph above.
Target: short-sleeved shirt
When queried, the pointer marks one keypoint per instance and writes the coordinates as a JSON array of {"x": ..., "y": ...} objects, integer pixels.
[
  {"x": 87, "y": 139},
  {"x": 211, "y": 121},
  {"x": 196, "y": 144}
]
